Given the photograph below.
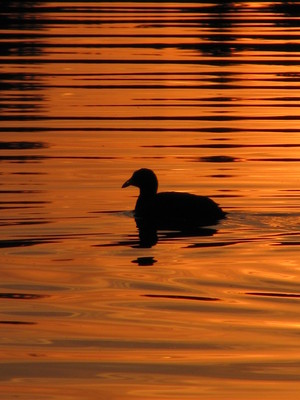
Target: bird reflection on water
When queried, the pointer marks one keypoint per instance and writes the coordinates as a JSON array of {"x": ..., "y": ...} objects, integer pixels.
[
  {"x": 179, "y": 214},
  {"x": 144, "y": 261},
  {"x": 148, "y": 232}
]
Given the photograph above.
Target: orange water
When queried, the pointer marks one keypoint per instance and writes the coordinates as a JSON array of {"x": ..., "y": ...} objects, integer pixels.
[{"x": 207, "y": 95}]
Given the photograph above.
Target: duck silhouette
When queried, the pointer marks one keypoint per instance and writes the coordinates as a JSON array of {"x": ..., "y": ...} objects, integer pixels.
[{"x": 170, "y": 210}]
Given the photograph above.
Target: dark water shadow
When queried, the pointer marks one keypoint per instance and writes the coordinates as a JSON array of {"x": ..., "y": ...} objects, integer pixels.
[
  {"x": 288, "y": 10},
  {"x": 24, "y": 242},
  {"x": 220, "y": 40},
  {"x": 151, "y": 232},
  {"x": 22, "y": 145},
  {"x": 20, "y": 91}
]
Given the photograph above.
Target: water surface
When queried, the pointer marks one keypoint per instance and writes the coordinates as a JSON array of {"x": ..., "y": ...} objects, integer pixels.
[{"x": 207, "y": 95}]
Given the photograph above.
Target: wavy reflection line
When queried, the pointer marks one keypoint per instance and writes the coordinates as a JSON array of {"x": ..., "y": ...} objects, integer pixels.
[
  {"x": 223, "y": 145},
  {"x": 22, "y": 296},
  {"x": 276, "y": 159},
  {"x": 180, "y": 297},
  {"x": 269, "y": 294},
  {"x": 156, "y": 118},
  {"x": 213, "y": 129},
  {"x": 277, "y": 59},
  {"x": 280, "y": 370},
  {"x": 17, "y": 323},
  {"x": 216, "y": 244},
  {"x": 22, "y": 145}
]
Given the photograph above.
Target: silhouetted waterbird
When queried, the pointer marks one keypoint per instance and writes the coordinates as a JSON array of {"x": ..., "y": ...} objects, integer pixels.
[{"x": 171, "y": 209}]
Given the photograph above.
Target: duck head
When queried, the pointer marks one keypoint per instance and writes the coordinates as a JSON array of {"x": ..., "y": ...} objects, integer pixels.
[{"x": 145, "y": 179}]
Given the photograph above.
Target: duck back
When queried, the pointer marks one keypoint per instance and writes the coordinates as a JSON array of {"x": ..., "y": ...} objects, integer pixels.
[{"x": 178, "y": 207}]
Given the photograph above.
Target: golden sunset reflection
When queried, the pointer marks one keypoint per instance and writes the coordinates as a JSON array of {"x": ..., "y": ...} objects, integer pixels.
[{"x": 205, "y": 94}]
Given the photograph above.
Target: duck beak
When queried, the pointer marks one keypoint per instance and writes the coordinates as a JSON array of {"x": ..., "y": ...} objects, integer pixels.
[{"x": 127, "y": 183}]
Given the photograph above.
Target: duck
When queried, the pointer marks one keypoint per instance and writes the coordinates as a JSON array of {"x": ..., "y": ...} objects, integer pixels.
[{"x": 171, "y": 209}]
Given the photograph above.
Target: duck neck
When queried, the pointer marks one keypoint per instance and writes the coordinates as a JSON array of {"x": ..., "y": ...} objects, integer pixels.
[
  {"x": 147, "y": 193},
  {"x": 144, "y": 201}
]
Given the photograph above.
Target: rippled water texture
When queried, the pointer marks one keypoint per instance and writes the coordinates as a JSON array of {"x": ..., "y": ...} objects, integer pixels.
[{"x": 207, "y": 95}]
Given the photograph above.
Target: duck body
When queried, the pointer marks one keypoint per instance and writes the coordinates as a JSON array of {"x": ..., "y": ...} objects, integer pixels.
[
  {"x": 171, "y": 209},
  {"x": 179, "y": 208}
]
